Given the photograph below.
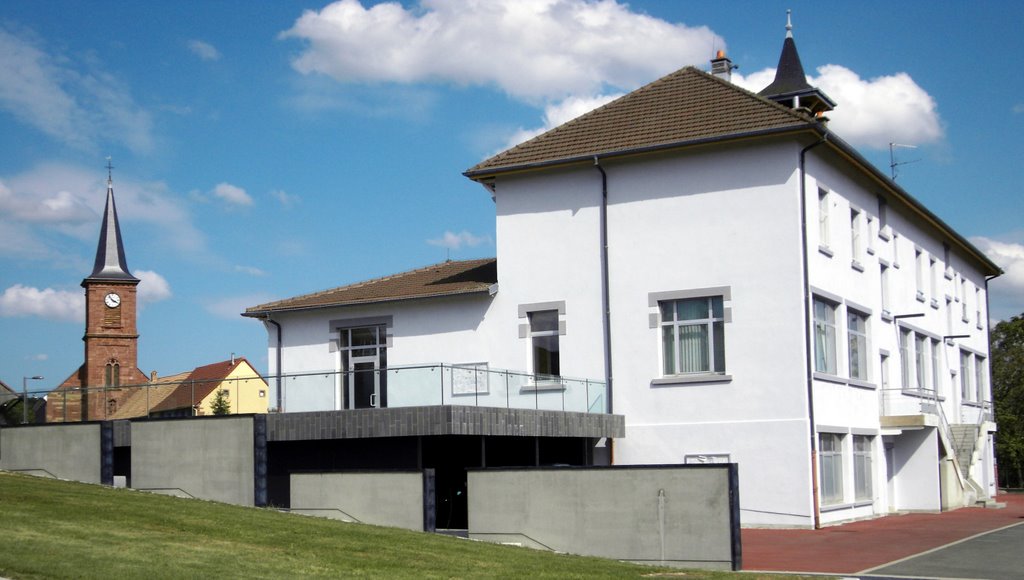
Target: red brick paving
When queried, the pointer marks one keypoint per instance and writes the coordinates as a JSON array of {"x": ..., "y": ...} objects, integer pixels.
[{"x": 858, "y": 546}]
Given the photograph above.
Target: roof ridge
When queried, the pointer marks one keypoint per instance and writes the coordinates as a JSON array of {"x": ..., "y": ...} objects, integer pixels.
[{"x": 362, "y": 283}]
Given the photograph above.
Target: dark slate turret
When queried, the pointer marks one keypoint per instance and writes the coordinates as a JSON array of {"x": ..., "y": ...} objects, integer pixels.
[
  {"x": 790, "y": 86},
  {"x": 110, "y": 261}
]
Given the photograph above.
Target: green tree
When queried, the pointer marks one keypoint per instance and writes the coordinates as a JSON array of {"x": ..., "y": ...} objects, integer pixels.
[
  {"x": 221, "y": 405},
  {"x": 1008, "y": 396}
]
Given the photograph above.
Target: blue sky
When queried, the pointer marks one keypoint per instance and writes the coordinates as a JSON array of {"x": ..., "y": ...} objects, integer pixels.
[{"x": 268, "y": 149}]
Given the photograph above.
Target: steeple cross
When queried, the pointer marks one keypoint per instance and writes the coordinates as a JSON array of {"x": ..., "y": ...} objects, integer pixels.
[{"x": 110, "y": 168}]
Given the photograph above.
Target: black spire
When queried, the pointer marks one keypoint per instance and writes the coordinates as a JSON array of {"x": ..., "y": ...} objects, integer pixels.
[
  {"x": 110, "y": 261},
  {"x": 790, "y": 86}
]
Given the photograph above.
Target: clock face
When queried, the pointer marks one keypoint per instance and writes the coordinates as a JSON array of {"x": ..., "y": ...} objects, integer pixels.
[{"x": 112, "y": 300}]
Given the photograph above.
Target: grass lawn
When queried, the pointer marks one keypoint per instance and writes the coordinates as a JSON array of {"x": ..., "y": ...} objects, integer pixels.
[{"x": 58, "y": 529}]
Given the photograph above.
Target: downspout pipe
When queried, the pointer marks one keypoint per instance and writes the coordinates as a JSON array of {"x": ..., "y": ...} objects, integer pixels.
[
  {"x": 605, "y": 303},
  {"x": 808, "y": 347},
  {"x": 277, "y": 352}
]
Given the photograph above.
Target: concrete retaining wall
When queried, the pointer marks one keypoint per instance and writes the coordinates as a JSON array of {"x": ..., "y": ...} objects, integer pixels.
[
  {"x": 397, "y": 499},
  {"x": 209, "y": 458},
  {"x": 676, "y": 515},
  {"x": 66, "y": 451}
]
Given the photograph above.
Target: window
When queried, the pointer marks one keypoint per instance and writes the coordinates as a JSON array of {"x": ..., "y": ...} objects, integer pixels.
[
  {"x": 977, "y": 306},
  {"x": 883, "y": 366},
  {"x": 963, "y": 298},
  {"x": 544, "y": 338},
  {"x": 979, "y": 377},
  {"x": 947, "y": 260},
  {"x": 965, "y": 376},
  {"x": 693, "y": 335},
  {"x": 870, "y": 233},
  {"x": 856, "y": 328},
  {"x": 824, "y": 337},
  {"x": 936, "y": 355},
  {"x": 885, "y": 288},
  {"x": 920, "y": 361},
  {"x": 112, "y": 376},
  {"x": 830, "y": 454},
  {"x": 933, "y": 278},
  {"x": 862, "y": 468},
  {"x": 919, "y": 273},
  {"x": 855, "y": 236},
  {"x": 905, "y": 358},
  {"x": 883, "y": 218},
  {"x": 823, "y": 233}
]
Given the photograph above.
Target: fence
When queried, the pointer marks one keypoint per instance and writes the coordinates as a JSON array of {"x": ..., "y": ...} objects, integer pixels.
[{"x": 400, "y": 386}]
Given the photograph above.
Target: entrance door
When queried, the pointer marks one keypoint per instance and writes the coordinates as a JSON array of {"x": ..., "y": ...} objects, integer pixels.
[
  {"x": 364, "y": 383},
  {"x": 364, "y": 367}
]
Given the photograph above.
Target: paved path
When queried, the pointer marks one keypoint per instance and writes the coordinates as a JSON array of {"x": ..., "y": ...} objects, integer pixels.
[
  {"x": 870, "y": 544},
  {"x": 995, "y": 555}
]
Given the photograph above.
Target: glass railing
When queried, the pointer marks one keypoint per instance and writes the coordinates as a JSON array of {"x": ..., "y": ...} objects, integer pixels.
[{"x": 405, "y": 386}]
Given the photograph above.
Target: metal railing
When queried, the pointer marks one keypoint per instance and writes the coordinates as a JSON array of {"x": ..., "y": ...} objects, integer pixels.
[{"x": 400, "y": 386}]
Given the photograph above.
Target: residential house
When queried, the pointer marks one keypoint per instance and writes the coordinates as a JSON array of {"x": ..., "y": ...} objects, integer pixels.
[{"x": 743, "y": 285}]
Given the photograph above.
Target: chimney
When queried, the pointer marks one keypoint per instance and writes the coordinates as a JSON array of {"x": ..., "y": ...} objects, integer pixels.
[
  {"x": 232, "y": 359},
  {"x": 722, "y": 67},
  {"x": 152, "y": 376}
]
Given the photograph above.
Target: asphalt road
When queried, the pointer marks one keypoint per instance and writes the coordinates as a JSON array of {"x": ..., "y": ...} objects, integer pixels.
[{"x": 997, "y": 555}]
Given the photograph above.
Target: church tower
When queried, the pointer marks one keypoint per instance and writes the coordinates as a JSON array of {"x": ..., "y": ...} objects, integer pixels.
[
  {"x": 790, "y": 87},
  {"x": 111, "y": 336}
]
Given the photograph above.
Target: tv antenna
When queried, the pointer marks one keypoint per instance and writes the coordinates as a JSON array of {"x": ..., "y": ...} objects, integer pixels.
[{"x": 893, "y": 164}]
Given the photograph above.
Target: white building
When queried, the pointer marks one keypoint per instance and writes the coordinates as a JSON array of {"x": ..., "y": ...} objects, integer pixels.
[{"x": 749, "y": 288}]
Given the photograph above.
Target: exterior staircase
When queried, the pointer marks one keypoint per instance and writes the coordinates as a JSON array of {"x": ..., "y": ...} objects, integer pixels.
[{"x": 964, "y": 438}]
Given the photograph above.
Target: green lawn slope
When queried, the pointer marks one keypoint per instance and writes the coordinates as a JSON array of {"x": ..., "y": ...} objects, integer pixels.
[{"x": 61, "y": 529}]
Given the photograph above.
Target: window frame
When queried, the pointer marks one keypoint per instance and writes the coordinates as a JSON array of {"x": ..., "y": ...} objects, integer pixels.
[
  {"x": 830, "y": 468},
  {"x": 825, "y": 336},
  {"x": 863, "y": 468},
  {"x": 860, "y": 337},
  {"x": 541, "y": 340},
  {"x": 714, "y": 337}
]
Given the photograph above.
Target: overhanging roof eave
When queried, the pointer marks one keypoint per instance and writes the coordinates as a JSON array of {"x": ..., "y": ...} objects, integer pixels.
[
  {"x": 483, "y": 174},
  {"x": 268, "y": 311}
]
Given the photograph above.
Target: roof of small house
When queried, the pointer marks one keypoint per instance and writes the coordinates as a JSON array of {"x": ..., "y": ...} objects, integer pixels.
[
  {"x": 445, "y": 279},
  {"x": 198, "y": 384},
  {"x": 145, "y": 398}
]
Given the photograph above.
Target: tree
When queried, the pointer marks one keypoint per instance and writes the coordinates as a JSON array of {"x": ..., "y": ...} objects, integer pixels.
[
  {"x": 221, "y": 405},
  {"x": 1008, "y": 396}
]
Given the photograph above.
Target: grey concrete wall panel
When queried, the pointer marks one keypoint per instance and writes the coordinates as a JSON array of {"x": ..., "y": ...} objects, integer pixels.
[
  {"x": 381, "y": 498},
  {"x": 208, "y": 458},
  {"x": 441, "y": 420},
  {"x": 65, "y": 451},
  {"x": 672, "y": 515},
  {"x": 122, "y": 433}
]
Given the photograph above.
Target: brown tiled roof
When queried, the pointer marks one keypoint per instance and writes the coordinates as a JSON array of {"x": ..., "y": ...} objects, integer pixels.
[
  {"x": 145, "y": 398},
  {"x": 444, "y": 279},
  {"x": 686, "y": 106}
]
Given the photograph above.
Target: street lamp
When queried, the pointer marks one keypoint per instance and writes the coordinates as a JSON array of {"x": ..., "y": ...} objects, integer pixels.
[{"x": 24, "y": 396}]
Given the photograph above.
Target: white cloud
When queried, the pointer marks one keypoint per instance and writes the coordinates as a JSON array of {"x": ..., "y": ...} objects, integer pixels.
[
  {"x": 67, "y": 199},
  {"x": 870, "y": 112},
  {"x": 454, "y": 241},
  {"x": 232, "y": 194},
  {"x": 40, "y": 357},
  {"x": 75, "y": 103},
  {"x": 1007, "y": 291},
  {"x": 284, "y": 198},
  {"x": 558, "y": 113},
  {"x": 204, "y": 50},
  {"x": 533, "y": 50},
  {"x": 64, "y": 305},
  {"x": 250, "y": 270},
  {"x": 152, "y": 287},
  {"x": 1018, "y": 108}
]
